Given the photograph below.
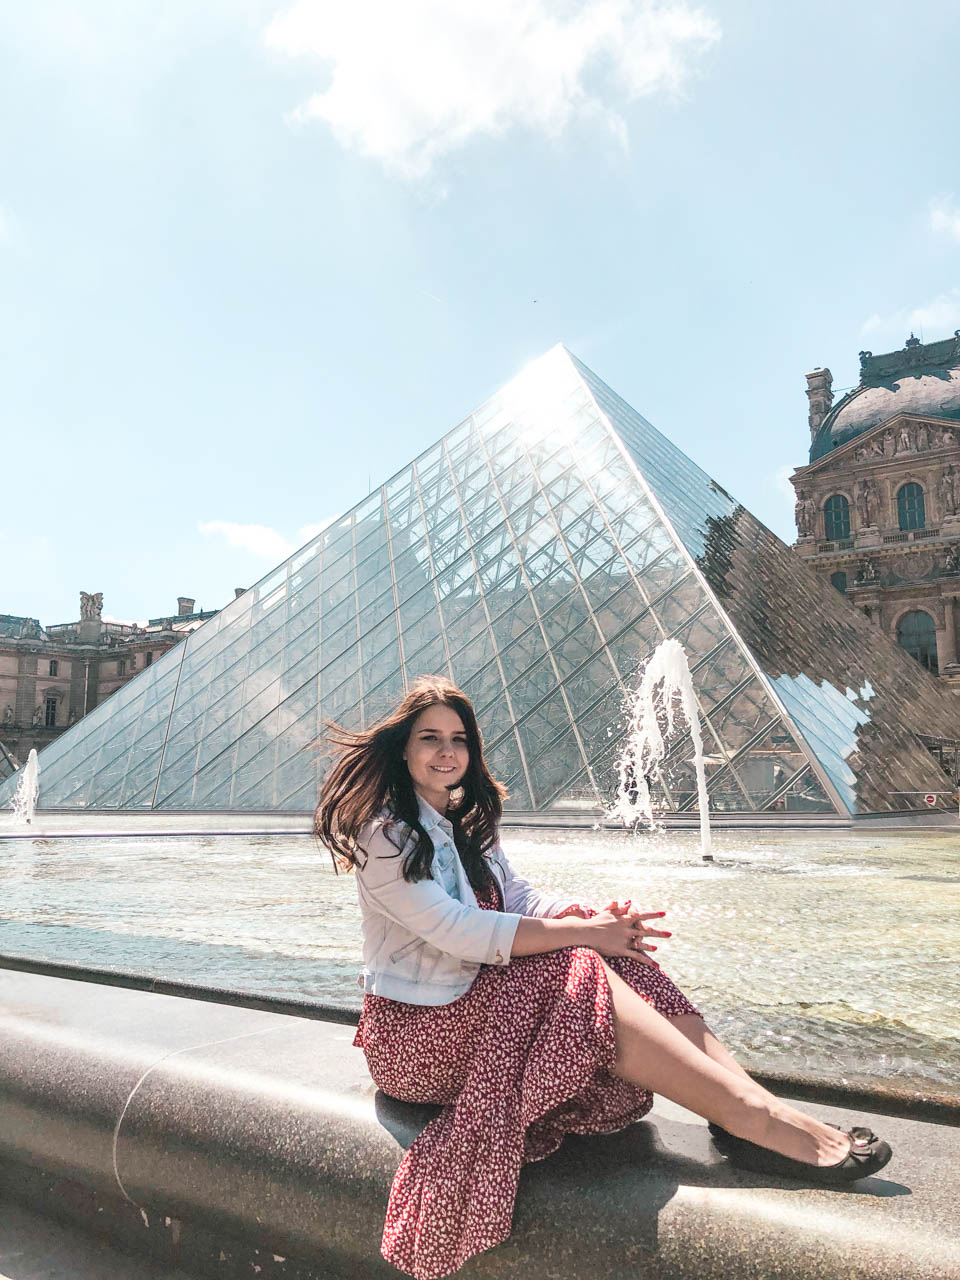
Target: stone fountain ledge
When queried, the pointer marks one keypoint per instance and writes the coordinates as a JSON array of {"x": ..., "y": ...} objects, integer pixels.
[
  {"x": 235, "y": 1141},
  {"x": 61, "y": 824}
]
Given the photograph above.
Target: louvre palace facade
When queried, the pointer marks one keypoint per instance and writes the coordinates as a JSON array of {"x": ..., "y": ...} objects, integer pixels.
[
  {"x": 536, "y": 554},
  {"x": 50, "y": 677},
  {"x": 878, "y": 503}
]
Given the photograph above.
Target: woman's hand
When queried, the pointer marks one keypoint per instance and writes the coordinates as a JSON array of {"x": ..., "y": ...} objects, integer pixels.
[{"x": 618, "y": 930}]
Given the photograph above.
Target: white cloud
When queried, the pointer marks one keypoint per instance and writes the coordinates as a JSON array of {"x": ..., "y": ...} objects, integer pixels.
[
  {"x": 124, "y": 622},
  {"x": 310, "y": 531},
  {"x": 782, "y": 485},
  {"x": 412, "y": 82},
  {"x": 945, "y": 217},
  {"x": 259, "y": 540},
  {"x": 936, "y": 318}
]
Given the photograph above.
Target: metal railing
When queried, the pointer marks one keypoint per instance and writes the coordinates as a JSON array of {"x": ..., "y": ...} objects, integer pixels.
[{"x": 905, "y": 535}]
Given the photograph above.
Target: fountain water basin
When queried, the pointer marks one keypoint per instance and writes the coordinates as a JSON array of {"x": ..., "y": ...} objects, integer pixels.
[{"x": 776, "y": 941}]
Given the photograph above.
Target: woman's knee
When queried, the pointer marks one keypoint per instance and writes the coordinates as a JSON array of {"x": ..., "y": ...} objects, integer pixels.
[{"x": 692, "y": 1026}]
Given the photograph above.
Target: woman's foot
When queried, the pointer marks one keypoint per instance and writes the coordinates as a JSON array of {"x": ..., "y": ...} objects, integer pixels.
[
  {"x": 857, "y": 1133},
  {"x": 865, "y": 1155},
  {"x": 780, "y": 1128}
]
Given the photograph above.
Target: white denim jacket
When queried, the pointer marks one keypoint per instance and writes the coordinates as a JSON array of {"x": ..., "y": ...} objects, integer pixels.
[{"x": 424, "y": 941}]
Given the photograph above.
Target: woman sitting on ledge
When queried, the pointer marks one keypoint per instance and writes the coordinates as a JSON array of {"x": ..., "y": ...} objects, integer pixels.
[{"x": 526, "y": 1018}]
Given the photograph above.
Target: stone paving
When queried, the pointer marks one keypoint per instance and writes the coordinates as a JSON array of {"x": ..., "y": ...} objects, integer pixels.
[{"x": 34, "y": 1248}]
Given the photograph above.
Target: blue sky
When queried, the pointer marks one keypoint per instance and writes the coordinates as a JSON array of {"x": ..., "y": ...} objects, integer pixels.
[{"x": 254, "y": 257}]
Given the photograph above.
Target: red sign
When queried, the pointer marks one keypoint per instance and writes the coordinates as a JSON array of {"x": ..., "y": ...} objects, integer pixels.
[{"x": 929, "y": 799}]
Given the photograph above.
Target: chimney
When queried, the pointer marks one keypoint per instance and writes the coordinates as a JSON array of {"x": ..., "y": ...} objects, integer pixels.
[
  {"x": 238, "y": 592},
  {"x": 820, "y": 395},
  {"x": 184, "y": 606}
]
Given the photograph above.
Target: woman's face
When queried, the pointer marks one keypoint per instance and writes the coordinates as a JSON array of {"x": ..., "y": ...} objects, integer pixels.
[{"x": 436, "y": 754}]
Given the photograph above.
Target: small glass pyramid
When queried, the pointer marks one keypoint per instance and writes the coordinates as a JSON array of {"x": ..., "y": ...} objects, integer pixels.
[{"x": 537, "y": 554}]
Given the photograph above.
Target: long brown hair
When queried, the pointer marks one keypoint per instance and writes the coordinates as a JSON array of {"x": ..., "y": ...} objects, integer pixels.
[{"x": 370, "y": 776}]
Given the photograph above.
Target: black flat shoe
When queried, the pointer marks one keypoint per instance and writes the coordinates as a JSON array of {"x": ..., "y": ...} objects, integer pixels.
[
  {"x": 857, "y": 1134},
  {"x": 866, "y": 1156}
]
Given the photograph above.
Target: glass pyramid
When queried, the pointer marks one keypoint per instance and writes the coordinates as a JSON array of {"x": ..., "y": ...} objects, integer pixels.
[{"x": 536, "y": 554}]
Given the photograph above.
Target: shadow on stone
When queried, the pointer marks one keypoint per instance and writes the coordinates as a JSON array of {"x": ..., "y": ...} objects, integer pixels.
[{"x": 404, "y": 1121}]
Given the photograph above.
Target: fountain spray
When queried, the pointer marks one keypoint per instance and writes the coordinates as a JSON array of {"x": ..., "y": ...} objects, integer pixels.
[
  {"x": 645, "y": 747},
  {"x": 28, "y": 789}
]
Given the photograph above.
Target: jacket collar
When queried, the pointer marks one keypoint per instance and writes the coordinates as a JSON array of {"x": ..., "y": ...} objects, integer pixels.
[{"x": 429, "y": 818}]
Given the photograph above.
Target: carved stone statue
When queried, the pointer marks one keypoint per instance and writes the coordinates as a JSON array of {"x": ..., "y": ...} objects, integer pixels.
[
  {"x": 904, "y": 439},
  {"x": 888, "y": 442},
  {"x": 867, "y": 571},
  {"x": 37, "y": 718},
  {"x": 948, "y": 439},
  {"x": 867, "y": 504},
  {"x": 861, "y": 497},
  {"x": 923, "y": 436},
  {"x": 948, "y": 491},
  {"x": 876, "y": 447},
  {"x": 953, "y": 559},
  {"x": 860, "y": 453},
  {"x": 90, "y": 605},
  {"x": 805, "y": 513},
  {"x": 8, "y": 716},
  {"x": 812, "y": 514}
]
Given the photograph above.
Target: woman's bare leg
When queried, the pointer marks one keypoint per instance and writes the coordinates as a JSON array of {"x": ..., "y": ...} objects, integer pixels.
[
  {"x": 697, "y": 1032},
  {"x": 693, "y": 1027},
  {"x": 656, "y": 1055}
]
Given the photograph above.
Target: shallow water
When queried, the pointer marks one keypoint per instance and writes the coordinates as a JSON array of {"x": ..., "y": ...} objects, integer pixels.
[{"x": 832, "y": 953}]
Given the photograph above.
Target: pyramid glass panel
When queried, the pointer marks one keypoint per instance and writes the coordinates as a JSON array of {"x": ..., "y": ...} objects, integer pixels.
[{"x": 537, "y": 554}]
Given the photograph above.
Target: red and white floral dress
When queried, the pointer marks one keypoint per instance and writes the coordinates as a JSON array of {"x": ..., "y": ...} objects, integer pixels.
[{"x": 523, "y": 1058}]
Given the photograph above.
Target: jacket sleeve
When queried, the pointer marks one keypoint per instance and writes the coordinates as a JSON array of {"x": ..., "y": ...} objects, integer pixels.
[
  {"x": 426, "y": 909},
  {"x": 521, "y": 896}
]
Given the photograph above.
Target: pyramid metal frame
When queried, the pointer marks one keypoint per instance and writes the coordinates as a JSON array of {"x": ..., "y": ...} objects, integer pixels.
[{"x": 536, "y": 554}]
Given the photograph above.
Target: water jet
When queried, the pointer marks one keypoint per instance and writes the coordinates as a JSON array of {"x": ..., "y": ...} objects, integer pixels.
[
  {"x": 665, "y": 689},
  {"x": 28, "y": 790}
]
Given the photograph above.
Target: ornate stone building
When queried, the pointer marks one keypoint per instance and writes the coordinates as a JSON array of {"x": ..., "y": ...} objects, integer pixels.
[
  {"x": 50, "y": 677},
  {"x": 878, "y": 504}
]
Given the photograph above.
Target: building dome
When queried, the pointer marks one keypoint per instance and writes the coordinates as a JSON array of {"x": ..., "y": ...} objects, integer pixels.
[{"x": 920, "y": 379}]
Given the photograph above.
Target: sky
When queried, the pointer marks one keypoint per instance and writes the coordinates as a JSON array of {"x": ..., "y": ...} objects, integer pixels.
[{"x": 256, "y": 256}]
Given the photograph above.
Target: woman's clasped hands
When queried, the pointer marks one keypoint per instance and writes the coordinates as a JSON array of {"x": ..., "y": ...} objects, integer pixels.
[{"x": 619, "y": 930}]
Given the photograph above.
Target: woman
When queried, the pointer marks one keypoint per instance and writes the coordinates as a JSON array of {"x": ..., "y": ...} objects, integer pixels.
[{"x": 527, "y": 1018}]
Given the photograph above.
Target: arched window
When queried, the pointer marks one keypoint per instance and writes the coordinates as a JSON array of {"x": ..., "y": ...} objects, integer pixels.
[
  {"x": 836, "y": 517},
  {"x": 910, "y": 507},
  {"x": 839, "y": 580},
  {"x": 917, "y": 634}
]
